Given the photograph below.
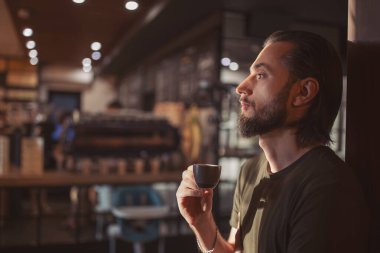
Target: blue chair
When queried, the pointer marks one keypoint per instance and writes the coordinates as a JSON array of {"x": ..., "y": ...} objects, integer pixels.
[{"x": 134, "y": 224}]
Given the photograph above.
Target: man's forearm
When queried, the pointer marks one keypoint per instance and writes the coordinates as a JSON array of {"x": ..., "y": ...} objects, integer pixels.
[{"x": 209, "y": 237}]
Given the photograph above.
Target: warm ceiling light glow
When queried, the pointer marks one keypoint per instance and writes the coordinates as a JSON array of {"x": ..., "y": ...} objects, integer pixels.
[
  {"x": 87, "y": 68},
  {"x": 33, "y": 53},
  {"x": 86, "y": 62},
  {"x": 27, "y": 32},
  {"x": 23, "y": 13},
  {"x": 226, "y": 61},
  {"x": 96, "y": 55},
  {"x": 234, "y": 66},
  {"x": 96, "y": 46},
  {"x": 33, "y": 61},
  {"x": 30, "y": 44},
  {"x": 131, "y": 5},
  {"x": 79, "y": 1}
]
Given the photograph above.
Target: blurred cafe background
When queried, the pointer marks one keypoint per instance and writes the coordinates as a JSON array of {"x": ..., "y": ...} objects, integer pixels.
[{"x": 103, "y": 104}]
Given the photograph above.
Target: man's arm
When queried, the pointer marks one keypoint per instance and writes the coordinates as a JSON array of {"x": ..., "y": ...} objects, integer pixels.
[
  {"x": 221, "y": 245},
  {"x": 234, "y": 238}
]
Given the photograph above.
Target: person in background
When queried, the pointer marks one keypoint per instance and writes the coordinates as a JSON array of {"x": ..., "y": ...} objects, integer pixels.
[
  {"x": 62, "y": 137},
  {"x": 298, "y": 196}
]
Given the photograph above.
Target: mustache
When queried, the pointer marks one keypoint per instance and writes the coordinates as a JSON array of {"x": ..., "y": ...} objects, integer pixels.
[{"x": 244, "y": 99}]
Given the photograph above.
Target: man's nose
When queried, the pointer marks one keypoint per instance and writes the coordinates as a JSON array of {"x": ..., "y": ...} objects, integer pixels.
[{"x": 243, "y": 88}]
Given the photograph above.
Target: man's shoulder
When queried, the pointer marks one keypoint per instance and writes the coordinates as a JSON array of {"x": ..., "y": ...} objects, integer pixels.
[
  {"x": 325, "y": 158},
  {"x": 323, "y": 165}
]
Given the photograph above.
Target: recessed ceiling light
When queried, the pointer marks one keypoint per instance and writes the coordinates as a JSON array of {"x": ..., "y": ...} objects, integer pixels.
[
  {"x": 96, "y": 46},
  {"x": 30, "y": 44},
  {"x": 96, "y": 55},
  {"x": 86, "y": 62},
  {"x": 226, "y": 61},
  {"x": 131, "y": 5},
  {"x": 33, "y": 53},
  {"x": 27, "y": 32},
  {"x": 79, "y": 1},
  {"x": 33, "y": 61},
  {"x": 234, "y": 66}
]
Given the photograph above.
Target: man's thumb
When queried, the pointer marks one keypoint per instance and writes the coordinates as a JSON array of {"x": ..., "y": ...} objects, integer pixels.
[{"x": 207, "y": 200}]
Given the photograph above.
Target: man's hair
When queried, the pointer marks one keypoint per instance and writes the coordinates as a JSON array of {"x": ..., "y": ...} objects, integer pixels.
[{"x": 313, "y": 56}]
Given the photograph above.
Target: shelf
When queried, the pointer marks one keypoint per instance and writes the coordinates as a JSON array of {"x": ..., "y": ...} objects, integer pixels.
[{"x": 16, "y": 77}]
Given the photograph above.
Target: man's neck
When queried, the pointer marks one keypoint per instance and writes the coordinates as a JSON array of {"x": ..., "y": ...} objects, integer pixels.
[{"x": 281, "y": 149}]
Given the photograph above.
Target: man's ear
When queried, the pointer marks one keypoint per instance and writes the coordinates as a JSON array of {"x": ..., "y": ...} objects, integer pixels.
[{"x": 306, "y": 91}]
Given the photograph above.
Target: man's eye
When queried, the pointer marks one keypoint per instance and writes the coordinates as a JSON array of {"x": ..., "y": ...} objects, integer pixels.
[{"x": 260, "y": 76}]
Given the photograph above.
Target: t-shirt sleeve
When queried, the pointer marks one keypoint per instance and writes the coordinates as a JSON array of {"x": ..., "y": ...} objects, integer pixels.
[
  {"x": 234, "y": 220},
  {"x": 247, "y": 172}
]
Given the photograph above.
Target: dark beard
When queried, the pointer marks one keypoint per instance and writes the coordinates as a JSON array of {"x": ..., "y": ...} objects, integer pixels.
[{"x": 271, "y": 116}]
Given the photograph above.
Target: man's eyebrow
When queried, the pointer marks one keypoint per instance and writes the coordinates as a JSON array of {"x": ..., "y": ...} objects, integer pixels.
[{"x": 261, "y": 65}]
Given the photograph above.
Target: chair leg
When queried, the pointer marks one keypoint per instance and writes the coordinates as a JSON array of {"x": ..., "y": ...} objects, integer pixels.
[
  {"x": 112, "y": 245},
  {"x": 99, "y": 226},
  {"x": 138, "y": 247},
  {"x": 161, "y": 245}
]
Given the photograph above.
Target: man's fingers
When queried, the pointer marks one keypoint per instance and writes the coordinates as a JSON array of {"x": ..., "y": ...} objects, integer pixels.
[
  {"x": 190, "y": 168},
  {"x": 188, "y": 187},
  {"x": 187, "y": 192},
  {"x": 189, "y": 184},
  {"x": 188, "y": 173},
  {"x": 188, "y": 179}
]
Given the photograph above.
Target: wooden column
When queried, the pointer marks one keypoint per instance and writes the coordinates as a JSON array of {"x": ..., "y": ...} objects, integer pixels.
[{"x": 363, "y": 127}]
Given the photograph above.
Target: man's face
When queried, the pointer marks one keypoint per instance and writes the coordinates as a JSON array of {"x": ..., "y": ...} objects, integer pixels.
[{"x": 264, "y": 93}]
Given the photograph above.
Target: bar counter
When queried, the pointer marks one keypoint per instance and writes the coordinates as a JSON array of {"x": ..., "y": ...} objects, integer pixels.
[
  {"x": 81, "y": 180},
  {"x": 57, "y": 179}
]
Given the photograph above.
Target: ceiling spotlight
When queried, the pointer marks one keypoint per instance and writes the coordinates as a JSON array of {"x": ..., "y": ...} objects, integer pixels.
[
  {"x": 30, "y": 44},
  {"x": 131, "y": 5},
  {"x": 33, "y": 53},
  {"x": 96, "y": 55},
  {"x": 79, "y": 1},
  {"x": 87, "y": 68},
  {"x": 86, "y": 62},
  {"x": 33, "y": 61},
  {"x": 96, "y": 46},
  {"x": 27, "y": 32},
  {"x": 234, "y": 66},
  {"x": 226, "y": 61}
]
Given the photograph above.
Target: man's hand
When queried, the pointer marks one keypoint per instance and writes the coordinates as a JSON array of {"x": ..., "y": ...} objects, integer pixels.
[{"x": 195, "y": 204}]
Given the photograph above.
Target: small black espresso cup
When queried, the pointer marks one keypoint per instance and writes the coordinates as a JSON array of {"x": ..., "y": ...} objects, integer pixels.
[{"x": 206, "y": 175}]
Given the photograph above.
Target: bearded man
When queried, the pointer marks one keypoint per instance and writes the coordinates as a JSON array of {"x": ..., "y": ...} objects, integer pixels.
[{"x": 298, "y": 196}]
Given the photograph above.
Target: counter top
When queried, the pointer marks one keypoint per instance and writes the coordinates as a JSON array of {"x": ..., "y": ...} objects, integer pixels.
[
  {"x": 54, "y": 179},
  {"x": 141, "y": 212}
]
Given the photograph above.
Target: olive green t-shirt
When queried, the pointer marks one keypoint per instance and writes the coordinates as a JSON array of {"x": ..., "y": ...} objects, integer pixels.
[{"x": 315, "y": 205}]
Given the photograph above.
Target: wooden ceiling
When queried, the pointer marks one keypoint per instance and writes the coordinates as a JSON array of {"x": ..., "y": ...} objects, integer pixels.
[{"x": 64, "y": 31}]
